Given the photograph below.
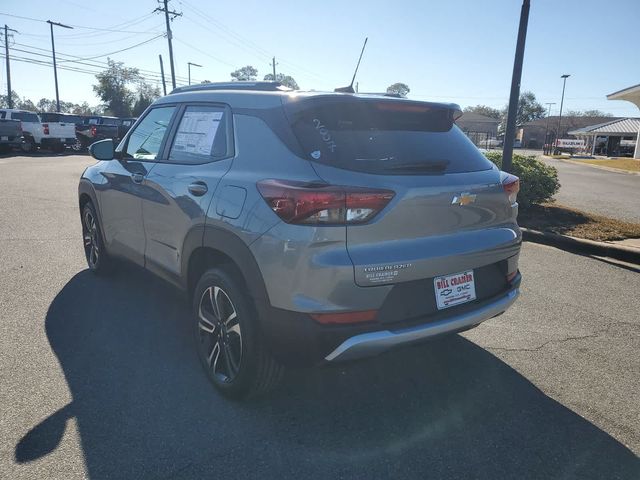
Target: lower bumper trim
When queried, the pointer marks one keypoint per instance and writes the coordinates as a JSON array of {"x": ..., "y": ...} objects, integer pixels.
[{"x": 373, "y": 343}]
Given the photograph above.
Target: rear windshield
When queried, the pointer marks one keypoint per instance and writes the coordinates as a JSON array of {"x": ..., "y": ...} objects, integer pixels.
[
  {"x": 383, "y": 136},
  {"x": 56, "y": 117},
  {"x": 25, "y": 117}
]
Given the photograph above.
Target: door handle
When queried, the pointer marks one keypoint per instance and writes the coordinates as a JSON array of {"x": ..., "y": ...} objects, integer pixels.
[
  {"x": 198, "y": 188},
  {"x": 137, "y": 177}
]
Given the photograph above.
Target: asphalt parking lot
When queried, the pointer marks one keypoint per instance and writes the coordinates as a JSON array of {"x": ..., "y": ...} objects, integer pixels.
[{"x": 99, "y": 378}]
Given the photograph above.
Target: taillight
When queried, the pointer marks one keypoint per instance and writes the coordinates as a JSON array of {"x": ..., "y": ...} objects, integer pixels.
[
  {"x": 345, "y": 317},
  {"x": 319, "y": 204},
  {"x": 46, "y": 128},
  {"x": 94, "y": 130},
  {"x": 511, "y": 186}
]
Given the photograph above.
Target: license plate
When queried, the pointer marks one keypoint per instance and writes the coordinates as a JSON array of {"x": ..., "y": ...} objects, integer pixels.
[
  {"x": 454, "y": 289},
  {"x": 5, "y": 138}
]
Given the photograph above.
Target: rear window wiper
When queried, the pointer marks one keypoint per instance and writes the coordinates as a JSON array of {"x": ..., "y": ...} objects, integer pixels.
[{"x": 430, "y": 167}]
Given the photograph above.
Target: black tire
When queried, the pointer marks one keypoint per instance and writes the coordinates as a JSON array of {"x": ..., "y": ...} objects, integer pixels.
[
  {"x": 28, "y": 146},
  {"x": 254, "y": 371},
  {"x": 96, "y": 255},
  {"x": 4, "y": 149}
]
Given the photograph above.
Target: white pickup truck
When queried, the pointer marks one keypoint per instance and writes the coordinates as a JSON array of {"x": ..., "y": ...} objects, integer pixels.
[{"x": 52, "y": 135}]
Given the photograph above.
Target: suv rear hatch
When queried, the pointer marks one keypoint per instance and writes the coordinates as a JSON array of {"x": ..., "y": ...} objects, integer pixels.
[{"x": 449, "y": 213}]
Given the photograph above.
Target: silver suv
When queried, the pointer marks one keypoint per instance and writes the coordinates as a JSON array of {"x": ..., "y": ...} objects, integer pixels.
[{"x": 305, "y": 227}]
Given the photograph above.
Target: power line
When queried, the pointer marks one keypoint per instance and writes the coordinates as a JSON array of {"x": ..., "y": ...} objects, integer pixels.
[
  {"x": 93, "y": 63},
  {"x": 173, "y": 15},
  {"x": 121, "y": 50},
  {"x": 72, "y": 25}
]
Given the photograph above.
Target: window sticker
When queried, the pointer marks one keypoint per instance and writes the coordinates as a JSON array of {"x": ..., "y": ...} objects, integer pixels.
[{"x": 197, "y": 132}]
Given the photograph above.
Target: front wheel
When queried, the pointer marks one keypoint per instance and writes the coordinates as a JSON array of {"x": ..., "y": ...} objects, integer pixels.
[{"x": 227, "y": 338}]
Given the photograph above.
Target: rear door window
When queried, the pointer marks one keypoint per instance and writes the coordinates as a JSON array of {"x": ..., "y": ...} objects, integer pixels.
[
  {"x": 383, "y": 136},
  {"x": 202, "y": 135}
]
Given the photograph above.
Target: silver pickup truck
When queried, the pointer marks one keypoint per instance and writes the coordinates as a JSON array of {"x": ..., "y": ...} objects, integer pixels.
[{"x": 10, "y": 135}]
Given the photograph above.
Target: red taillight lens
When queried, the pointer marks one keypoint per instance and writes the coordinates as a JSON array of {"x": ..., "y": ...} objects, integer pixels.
[
  {"x": 511, "y": 185},
  {"x": 511, "y": 276},
  {"x": 94, "y": 130},
  {"x": 346, "y": 317},
  {"x": 46, "y": 128},
  {"x": 317, "y": 204}
]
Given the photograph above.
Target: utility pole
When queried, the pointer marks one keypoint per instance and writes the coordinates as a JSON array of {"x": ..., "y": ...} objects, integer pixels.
[
  {"x": 174, "y": 14},
  {"x": 189, "y": 64},
  {"x": 509, "y": 135},
  {"x": 6, "y": 53},
  {"x": 546, "y": 128},
  {"x": 164, "y": 84},
  {"x": 273, "y": 63},
  {"x": 53, "y": 51},
  {"x": 564, "y": 84}
]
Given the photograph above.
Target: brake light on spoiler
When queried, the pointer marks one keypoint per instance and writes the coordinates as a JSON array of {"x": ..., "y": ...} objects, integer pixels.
[{"x": 320, "y": 204}]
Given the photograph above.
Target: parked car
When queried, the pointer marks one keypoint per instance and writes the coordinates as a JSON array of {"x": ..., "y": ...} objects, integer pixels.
[
  {"x": 52, "y": 136},
  {"x": 124, "y": 124},
  {"x": 10, "y": 135},
  {"x": 96, "y": 128},
  {"x": 307, "y": 228},
  {"x": 68, "y": 118}
]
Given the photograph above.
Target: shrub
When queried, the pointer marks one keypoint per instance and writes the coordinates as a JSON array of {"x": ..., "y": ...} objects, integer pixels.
[{"x": 538, "y": 181}]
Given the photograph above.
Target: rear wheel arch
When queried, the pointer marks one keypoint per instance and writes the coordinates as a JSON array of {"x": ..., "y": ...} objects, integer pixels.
[{"x": 208, "y": 247}]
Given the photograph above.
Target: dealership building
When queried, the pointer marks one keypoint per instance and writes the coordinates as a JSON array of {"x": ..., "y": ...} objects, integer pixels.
[
  {"x": 615, "y": 138},
  {"x": 631, "y": 94}
]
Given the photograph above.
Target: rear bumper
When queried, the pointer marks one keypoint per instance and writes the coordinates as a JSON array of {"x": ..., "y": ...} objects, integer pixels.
[
  {"x": 295, "y": 339},
  {"x": 373, "y": 343}
]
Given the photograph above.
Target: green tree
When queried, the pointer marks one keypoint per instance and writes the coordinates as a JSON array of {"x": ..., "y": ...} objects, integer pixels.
[
  {"x": 247, "y": 73},
  {"x": 147, "y": 93},
  {"x": 286, "y": 80},
  {"x": 26, "y": 104},
  {"x": 587, "y": 113},
  {"x": 399, "y": 88},
  {"x": 485, "y": 110},
  {"x": 4, "y": 100},
  {"x": 528, "y": 109},
  {"x": 113, "y": 88}
]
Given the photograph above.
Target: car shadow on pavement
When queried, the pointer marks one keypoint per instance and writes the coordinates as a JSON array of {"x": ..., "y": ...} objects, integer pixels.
[{"x": 144, "y": 409}]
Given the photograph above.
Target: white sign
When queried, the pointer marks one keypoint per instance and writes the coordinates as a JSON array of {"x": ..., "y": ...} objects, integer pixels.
[
  {"x": 454, "y": 289},
  {"x": 570, "y": 143},
  {"x": 196, "y": 132}
]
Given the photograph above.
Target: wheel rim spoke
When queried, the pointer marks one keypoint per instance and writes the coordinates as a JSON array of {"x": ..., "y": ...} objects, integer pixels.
[
  {"x": 214, "y": 356},
  {"x": 220, "y": 333}
]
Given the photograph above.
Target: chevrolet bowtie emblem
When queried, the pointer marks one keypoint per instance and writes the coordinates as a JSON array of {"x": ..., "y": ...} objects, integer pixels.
[{"x": 463, "y": 199}]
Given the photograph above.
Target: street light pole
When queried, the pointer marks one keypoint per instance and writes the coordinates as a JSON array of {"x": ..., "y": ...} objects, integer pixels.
[
  {"x": 564, "y": 84},
  {"x": 53, "y": 51},
  {"x": 546, "y": 128},
  {"x": 510, "y": 131},
  {"x": 189, "y": 68}
]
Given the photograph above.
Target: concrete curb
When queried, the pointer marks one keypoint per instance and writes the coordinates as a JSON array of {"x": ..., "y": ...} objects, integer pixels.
[{"x": 580, "y": 245}]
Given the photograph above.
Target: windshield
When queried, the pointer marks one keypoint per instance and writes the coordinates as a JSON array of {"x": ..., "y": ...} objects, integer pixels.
[{"x": 382, "y": 136}]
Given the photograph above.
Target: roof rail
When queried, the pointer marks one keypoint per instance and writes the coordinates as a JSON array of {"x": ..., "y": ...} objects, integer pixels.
[{"x": 256, "y": 86}]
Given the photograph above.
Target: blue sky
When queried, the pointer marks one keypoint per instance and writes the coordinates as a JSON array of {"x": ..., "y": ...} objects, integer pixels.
[{"x": 450, "y": 50}]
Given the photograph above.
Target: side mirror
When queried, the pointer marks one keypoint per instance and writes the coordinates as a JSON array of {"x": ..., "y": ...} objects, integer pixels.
[{"x": 102, "y": 150}]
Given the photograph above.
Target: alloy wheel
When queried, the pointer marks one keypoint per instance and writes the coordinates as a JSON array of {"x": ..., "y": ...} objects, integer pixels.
[
  {"x": 90, "y": 235},
  {"x": 219, "y": 334}
]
